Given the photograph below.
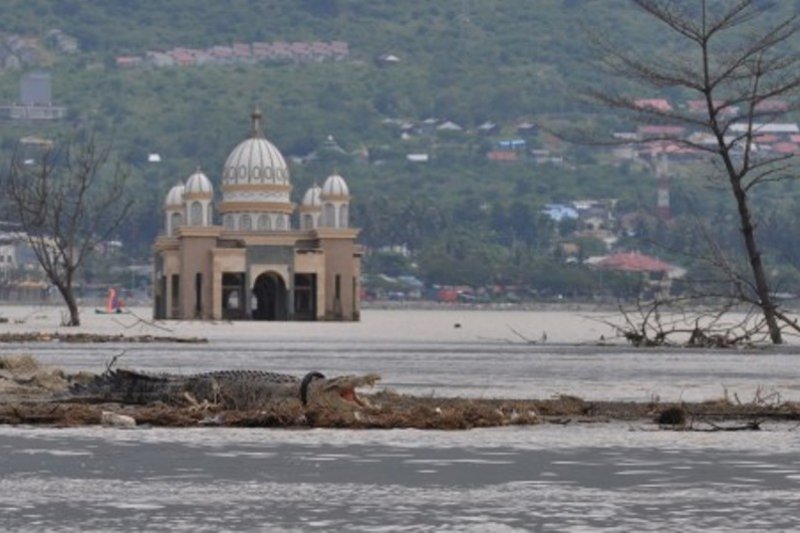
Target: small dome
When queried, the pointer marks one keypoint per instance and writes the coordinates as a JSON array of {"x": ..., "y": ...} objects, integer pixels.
[
  {"x": 198, "y": 184},
  {"x": 335, "y": 186},
  {"x": 311, "y": 197},
  {"x": 175, "y": 196}
]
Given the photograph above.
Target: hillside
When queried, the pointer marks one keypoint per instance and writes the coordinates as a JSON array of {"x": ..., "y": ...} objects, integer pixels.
[{"x": 468, "y": 62}]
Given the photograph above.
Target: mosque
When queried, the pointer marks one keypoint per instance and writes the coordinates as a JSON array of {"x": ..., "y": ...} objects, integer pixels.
[{"x": 257, "y": 265}]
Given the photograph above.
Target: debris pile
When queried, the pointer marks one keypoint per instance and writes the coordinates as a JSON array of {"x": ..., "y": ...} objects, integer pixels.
[
  {"x": 94, "y": 338},
  {"x": 33, "y": 394}
]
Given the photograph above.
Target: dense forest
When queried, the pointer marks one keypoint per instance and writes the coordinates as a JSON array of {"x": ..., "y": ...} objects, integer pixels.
[{"x": 464, "y": 218}]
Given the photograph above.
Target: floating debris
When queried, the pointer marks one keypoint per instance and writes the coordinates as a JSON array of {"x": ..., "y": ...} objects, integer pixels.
[
  {"x": 95, "y": 338},
  {"x": 109, "y": 418}
]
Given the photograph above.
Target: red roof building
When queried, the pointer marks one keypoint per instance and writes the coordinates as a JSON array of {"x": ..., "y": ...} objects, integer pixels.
[
  {"x": 634, "y": 262},
  {"x": 786, "y": 148},
  {"x": 505, "y": 156},
  {"x": 661, "y": 131},
  {"x": 658, "y": 104}
]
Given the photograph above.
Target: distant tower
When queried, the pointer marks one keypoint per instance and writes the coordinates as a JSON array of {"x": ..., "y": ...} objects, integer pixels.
[
  {"x": 662, "y": 178},
  {"x": 465, "y": 28},
  {"x": 36, "y": 89}
]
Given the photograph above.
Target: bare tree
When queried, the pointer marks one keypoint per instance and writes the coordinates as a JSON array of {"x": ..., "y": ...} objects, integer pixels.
[
  {"x": 738, "y": 65},
  {"x": 68, "y": 199}
]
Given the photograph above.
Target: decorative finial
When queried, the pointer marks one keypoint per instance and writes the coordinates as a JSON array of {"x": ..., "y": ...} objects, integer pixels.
[{"x": 256, "y": 117}]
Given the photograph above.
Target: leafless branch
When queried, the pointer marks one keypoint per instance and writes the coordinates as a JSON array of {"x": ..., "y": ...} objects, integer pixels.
[
  {"x": 740, "y": 65},
  {"x": 67, "y": 203}
]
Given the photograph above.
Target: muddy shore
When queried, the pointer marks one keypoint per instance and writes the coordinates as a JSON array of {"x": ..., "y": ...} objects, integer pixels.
[{"x": 31, "y": 394}]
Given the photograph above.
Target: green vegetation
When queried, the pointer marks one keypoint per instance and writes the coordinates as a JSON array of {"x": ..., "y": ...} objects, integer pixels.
[{"x": 466, "y": 219}]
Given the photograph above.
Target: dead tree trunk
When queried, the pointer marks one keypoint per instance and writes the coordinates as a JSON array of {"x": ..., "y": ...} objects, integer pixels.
[
  {"x": 765, "y": 301},
  {"x": 740, "y": 64},
  {"x": 67, "y": 201}
]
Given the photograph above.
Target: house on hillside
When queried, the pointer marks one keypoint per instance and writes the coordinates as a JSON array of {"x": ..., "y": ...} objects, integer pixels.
[
  {"x": 22, "y": 278},
  {"x": 780, "y": 138},
  {"x": 516, "y": 145},
  {"x": 656, "y": 104},
  {"x": 502, "y": 156},
  {"x": 527, "y": 129},
  {"x": 782, "y": 130},
  {"x": 128, "y": 61},
  {"x": 61, "y": 41},
  {"x": 387, "y": 60},
  {"x": 657, "y": 275},
  {"x": 507, "y": 150},
  {"x": 487, "y": 128},
  {"x": 701, "y": 107},
  {"x": 328, "y": 150},
  {"x": 773, "y": 105},
  {"x": 655, "y": 131},
  {"x": 158, "y": 59},
  {"x": 449, "y": 125},
  {"x": 35, "y": 100},
  {"x": 418, "y": 158},
  {"x": 559, "y": 212}
]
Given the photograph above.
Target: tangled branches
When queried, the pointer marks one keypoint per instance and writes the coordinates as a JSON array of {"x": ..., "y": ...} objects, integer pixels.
[{"x": 674, "y": 322}]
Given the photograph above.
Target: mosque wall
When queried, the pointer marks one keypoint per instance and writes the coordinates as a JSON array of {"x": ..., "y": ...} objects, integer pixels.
[
  {"x": 341, "y": 279},
  {"x": 195, "y": 277}
]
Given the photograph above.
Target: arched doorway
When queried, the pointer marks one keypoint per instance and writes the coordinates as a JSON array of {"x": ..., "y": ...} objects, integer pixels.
[{"x": 270, "y": 297}]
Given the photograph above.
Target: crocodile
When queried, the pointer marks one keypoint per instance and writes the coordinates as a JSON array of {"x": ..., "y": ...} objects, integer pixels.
[{"x": 232, "y": 389}]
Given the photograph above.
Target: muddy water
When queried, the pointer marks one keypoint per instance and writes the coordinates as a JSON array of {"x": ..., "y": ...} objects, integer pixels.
[
  {"x": 532, "y": 479},
  {"x": 626, "y": 477},
  {"x": 439, "y": 353}
]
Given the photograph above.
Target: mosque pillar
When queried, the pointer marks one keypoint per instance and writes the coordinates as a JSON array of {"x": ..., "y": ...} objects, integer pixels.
[{"x": 216, "y": 292}]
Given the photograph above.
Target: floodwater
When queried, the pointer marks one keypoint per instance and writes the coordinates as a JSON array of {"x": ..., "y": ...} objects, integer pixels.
[{"x": 562, "y": 478}]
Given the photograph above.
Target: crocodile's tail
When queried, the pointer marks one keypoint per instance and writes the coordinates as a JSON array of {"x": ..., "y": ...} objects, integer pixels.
[{"x": 125, "y": 386}]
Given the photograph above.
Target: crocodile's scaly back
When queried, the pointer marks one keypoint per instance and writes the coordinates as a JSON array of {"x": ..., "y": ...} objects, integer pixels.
[
  {"x": 232, "y": 389},
  {"x": 242, "y": 389},
  {"x": 229, "y": 386}
]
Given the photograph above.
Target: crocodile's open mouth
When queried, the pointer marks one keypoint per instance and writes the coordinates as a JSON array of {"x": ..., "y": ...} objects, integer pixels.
[
  {"x": 346, "y": 387},
  {"x": 350, "y": 395}
]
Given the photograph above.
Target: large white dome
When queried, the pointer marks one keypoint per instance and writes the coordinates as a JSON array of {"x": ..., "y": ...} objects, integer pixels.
[
  {"x": 255, "y": 185},
  {"x": 255, "y": 160}
]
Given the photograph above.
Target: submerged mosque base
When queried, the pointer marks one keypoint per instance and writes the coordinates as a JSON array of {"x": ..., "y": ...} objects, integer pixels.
[{"x": 255, "y": 265}]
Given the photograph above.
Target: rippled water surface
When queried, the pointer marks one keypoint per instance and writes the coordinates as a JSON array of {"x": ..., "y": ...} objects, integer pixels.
[{"x": 600, "y": 476}]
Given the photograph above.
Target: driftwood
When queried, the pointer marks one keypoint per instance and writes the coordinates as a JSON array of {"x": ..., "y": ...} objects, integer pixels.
[
  {"x": 94, "y": 338},
  {"x": 683, "y": 322}
]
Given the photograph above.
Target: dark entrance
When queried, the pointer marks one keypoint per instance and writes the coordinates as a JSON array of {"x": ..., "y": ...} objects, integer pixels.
[
  {"x": 161, "y": 298},
  {"x": 233, "y": 295},
  {"x": 270, "y": 295},
  {"x": 305, "y": 296}
]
